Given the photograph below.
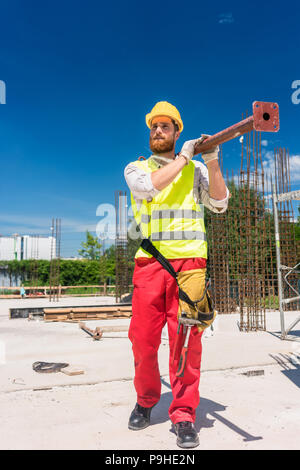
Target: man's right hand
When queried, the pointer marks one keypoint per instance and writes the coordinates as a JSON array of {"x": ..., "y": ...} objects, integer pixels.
[{"x": 188, "y": 148}]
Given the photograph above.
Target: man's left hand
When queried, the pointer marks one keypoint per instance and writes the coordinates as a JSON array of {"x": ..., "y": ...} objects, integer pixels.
[{"x": 211, "y": 154}]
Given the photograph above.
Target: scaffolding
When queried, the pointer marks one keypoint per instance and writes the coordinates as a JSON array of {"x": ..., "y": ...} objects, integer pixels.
[{"x": 277, "y": 199}]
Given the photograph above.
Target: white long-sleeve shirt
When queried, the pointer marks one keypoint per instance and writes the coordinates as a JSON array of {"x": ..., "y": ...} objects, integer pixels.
[{"x": 141, "y": 186}]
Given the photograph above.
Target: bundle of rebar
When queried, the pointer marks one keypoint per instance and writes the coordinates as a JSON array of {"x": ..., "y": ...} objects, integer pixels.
[
  {"x": 219, "y": 253},
  {"x": 34, "y": 256},
  {"x": 54, "y": 282},
  {"x": 251, "y": 275}
]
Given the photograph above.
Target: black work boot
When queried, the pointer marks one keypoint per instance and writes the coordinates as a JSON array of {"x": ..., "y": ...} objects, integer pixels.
[
  {"x": 187, "y": 436},
  {"x": 139, "y": 418}
]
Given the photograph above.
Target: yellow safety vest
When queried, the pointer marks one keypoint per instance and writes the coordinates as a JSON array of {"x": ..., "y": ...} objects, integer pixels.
[{"x": 173, "y": 220}]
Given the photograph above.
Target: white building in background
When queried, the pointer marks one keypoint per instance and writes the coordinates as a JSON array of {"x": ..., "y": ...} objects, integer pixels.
[{"x": 27, "y": 247}]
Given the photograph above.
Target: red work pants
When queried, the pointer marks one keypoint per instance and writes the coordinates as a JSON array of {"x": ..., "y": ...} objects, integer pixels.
[{"x": 155, "y": 302}]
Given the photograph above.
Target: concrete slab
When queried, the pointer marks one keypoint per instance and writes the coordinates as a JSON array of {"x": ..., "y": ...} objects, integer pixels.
[
  {"x": 235, "y": 412},
  {"x": 91, "y": 411}
]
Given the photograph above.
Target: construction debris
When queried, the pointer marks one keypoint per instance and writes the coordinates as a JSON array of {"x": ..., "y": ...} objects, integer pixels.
[
  {"x": 96, "y": 334},
  {"x": 48, "y": 367},
  {"x": 35, "y": 317},
  {"x": 251, "y": 373},
  {"x": 18, "y": 381},
  {"x": 72, "y": 371}
]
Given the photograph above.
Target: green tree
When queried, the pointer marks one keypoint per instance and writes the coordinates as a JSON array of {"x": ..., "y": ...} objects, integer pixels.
[
  {"x": 91, "y": 248},
  {"x": 110, "y": 260}
]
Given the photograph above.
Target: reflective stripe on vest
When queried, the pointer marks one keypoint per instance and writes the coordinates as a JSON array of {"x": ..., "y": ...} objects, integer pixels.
[
  {"x": 173, "y": 220},
  {"x": 187, "y": 235}
]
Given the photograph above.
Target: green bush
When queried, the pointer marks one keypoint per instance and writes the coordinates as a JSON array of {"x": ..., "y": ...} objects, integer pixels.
[{"x": 71, "y": 272}]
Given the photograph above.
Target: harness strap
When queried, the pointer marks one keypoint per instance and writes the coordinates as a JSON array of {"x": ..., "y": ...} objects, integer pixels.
[{"x": 148, "y": 246}]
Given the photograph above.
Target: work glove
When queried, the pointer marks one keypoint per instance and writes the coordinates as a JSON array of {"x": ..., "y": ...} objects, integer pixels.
[
  {"x": 188, "y": 149},
  {"x": 211, "y": 154}
]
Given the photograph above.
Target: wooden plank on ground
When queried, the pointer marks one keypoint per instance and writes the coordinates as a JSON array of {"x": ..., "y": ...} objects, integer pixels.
[
  {"x": 101, "y": 309},
  {"x": 57, "y": 310},
  {"x": 72, "y": 371},
  {"x": 48, "y": 317},
  {"x": 86, "y": 313},
  {"x": 122, "y": 314}
]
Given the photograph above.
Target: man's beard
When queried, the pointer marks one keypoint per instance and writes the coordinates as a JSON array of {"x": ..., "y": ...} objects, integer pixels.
[{"x": 162, "y": 145}]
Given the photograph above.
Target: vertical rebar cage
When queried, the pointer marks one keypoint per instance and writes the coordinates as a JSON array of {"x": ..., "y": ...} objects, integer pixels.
[
  {"x": 54, "y": 283},
  {"x": 121, "y": 244}
]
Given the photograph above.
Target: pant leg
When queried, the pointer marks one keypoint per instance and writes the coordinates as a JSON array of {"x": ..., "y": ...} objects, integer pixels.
[
  {"x": 147, "y": 322},
  {"x": 185, "y": 389}
]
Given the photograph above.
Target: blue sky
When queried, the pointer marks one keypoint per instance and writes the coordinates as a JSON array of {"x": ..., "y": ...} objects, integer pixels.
[{"x": 80, "y": 77}]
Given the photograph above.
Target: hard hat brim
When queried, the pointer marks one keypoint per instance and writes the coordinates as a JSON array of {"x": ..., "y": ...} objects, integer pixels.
[{"x": 150, "y": 116}]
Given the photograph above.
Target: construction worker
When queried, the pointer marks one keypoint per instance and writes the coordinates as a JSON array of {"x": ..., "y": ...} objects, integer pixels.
[{"x": 166, "y": 194}]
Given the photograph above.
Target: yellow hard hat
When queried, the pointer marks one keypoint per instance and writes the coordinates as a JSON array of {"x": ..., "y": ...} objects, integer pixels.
[{"x": 163, "y": 108}]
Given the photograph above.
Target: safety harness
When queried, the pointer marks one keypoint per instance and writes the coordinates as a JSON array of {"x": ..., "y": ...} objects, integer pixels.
[{"x": 201, "y": 317}]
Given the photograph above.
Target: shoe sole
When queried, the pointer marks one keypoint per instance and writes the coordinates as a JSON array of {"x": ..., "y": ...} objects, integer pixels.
[
  {"x": 132, "y": 428},
  {"x": 188, "y": 445}
]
